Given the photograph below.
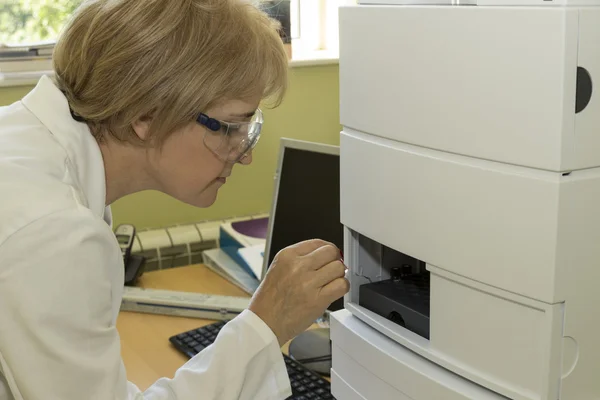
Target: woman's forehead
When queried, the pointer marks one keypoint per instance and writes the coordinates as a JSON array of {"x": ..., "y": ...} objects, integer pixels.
[{"x": 235, "y": 108}]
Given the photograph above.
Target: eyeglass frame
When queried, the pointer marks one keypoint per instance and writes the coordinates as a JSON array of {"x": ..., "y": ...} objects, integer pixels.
[{"x": 216, "y": 125}]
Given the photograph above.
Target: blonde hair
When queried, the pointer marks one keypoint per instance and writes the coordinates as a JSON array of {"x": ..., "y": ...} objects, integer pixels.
[{"x": 118, "y": 61}]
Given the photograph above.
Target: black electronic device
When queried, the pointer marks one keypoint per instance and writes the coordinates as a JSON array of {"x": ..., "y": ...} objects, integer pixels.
[
  {"x": 134, "y": 264},
  {"x": 403, "y": 299},
  {"x": 306, "y": 205},
  {"x": 305, "y": 383},
  {"x": 125, "y": 234}
]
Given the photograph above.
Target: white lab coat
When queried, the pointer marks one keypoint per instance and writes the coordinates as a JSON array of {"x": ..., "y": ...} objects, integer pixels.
[{"x": 61, "y": 278}]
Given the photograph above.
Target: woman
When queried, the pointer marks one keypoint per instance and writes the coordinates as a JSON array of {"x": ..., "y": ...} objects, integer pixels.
[{"x": 149, "y": 94}]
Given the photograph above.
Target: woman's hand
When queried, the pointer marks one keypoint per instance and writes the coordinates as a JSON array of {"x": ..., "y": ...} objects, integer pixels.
[{"x": 302, "y": 281}]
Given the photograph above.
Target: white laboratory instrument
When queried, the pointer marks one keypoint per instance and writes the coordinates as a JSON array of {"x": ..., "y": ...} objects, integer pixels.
[{"x": 470, "y": 196}]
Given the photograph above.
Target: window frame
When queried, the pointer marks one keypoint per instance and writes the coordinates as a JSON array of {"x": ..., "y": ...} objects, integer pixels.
[{"x": 316, "y": 43}]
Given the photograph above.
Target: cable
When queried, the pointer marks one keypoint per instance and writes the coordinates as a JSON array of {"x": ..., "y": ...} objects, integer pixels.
[{"x": 364, "y": 276}]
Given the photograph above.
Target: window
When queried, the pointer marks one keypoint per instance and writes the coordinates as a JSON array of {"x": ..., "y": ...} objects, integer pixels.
[
  {"x": 28, "y": 29},
  {"x": 27, "y": 32},
  {"x": 313, "y": 27},
  {"x": 26, "y": 21},
  {"x": 309, "y": 27}
]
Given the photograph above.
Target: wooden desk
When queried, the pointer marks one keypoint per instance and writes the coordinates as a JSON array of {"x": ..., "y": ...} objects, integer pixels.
[{"x": 145, "y": 347}]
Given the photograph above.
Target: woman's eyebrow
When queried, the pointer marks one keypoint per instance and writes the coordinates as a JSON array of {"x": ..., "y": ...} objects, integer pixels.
[{"x": 244, "y": 115}]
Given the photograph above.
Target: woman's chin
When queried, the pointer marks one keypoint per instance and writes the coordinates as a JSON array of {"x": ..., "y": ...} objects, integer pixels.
[{"x": 205, "y": 199}]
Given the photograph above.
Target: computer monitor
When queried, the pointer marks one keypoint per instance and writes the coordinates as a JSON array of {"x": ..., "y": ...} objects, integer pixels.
[
  {"x": 306, "y": 199},
  {"x": 306, "y": 205}
]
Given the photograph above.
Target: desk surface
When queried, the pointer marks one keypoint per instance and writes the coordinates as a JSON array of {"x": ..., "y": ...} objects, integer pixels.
[{"x": 145, "y": 347}]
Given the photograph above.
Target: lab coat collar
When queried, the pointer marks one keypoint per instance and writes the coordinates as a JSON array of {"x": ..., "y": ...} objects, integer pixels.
[{"x": 50, "y": 106}]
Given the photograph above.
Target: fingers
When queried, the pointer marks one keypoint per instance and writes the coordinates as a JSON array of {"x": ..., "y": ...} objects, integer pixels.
[
  {"x": 335, "y": 289},
  {"x": 330, "y": 272},
  {"x": 308, "y": 246},
  {"x": 323, "y": 256}
]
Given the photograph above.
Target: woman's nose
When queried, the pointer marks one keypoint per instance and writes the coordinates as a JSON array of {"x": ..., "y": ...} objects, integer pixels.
[{"x": 247, "y": 159}]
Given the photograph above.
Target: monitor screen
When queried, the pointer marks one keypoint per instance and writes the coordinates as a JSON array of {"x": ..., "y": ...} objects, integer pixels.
[{"x": 307, "y": 203}]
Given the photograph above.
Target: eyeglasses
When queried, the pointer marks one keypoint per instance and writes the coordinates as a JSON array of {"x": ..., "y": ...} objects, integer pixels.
[{"x": 231, "y": 141}]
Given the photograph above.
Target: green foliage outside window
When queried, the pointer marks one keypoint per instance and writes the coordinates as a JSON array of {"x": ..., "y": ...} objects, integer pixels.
[
  {"x": 27, "y": 21},
  {"x": 34, "y": 21}
]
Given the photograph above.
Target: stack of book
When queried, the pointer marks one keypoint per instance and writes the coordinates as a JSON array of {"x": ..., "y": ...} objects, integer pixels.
[{"x": 239, "y": 257}]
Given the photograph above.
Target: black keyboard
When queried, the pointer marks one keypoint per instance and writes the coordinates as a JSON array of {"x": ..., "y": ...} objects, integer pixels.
[{"x": 306, "y": 385}]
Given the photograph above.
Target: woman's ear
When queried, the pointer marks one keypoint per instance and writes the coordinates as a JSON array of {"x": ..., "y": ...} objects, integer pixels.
[{"x": 141, "y": 127}]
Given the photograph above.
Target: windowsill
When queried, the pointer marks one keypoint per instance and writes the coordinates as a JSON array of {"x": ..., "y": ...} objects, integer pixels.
[
  {"x": 313, "y": 58},
  {"x": 30, "y": 78}
]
